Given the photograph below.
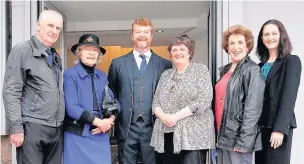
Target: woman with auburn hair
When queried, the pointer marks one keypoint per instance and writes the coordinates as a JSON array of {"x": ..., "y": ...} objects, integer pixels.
[
  {"x": 282, "y": 73},
  {"x": 238, "y": 100}
]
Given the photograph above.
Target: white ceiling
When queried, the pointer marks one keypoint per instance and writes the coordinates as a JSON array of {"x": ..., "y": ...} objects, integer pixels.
[
  {"x": 86, "y": 14},
  {"x": 87, "y": 11}
]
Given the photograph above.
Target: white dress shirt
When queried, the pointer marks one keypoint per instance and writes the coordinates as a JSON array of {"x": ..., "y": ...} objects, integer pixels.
[{"x": 138, "y": 59}]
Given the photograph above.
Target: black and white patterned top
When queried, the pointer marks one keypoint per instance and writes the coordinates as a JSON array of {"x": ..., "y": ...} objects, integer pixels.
[{"x": 175, "y": 91}]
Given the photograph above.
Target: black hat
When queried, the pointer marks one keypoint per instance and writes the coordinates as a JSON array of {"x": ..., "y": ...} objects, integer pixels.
[{"x": 88, "y": 39}]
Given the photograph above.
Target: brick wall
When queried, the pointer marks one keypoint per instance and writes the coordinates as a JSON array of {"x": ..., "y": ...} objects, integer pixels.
[{"x": 6, "y": 151}]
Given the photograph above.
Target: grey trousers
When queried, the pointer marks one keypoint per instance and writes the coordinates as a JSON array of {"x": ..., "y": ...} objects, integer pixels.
[
  {"x": 137, "y": 145},
  {"x": 42, "y": 145},
  {"x": 231, "y": 157}
]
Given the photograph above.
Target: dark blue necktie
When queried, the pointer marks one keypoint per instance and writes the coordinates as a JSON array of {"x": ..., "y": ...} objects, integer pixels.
[
  {"x": 50, "y": 57},
  {"x": 51, "y": 63},
  {"x": 143, "y": 64}
]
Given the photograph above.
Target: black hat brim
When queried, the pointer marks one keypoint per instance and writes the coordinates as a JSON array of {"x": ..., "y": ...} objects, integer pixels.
[{"x": 74, "y": 47}]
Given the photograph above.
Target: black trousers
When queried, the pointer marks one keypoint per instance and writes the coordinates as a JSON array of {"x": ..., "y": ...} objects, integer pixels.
[
  {"x": 136, "y": 147},
  {"x": 184, "y": 157},
  {"x": 269, "y": 155},
  {"x": 42, "y": 145}
]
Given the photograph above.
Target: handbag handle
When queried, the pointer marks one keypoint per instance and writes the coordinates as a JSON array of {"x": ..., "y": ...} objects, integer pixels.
[
  {"x": 108, "y": 104},
  {"x": 107, "y": 99}
]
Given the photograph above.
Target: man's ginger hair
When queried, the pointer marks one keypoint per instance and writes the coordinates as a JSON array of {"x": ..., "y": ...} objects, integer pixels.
[{"x": 142, "y": 22}]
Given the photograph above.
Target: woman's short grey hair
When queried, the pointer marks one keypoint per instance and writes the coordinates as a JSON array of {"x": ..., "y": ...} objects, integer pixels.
[
  {"x": 83, "y": 46},
  {"x": 185, "y": 40}
]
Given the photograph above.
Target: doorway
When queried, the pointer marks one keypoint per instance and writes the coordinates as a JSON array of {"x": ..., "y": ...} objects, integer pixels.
[{"x": 114, "y": 30}]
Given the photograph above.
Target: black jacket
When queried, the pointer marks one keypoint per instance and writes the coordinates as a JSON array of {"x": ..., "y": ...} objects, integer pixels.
[
  {"x": 281, "y": 90},
  {"x": 242, "y": 109}
]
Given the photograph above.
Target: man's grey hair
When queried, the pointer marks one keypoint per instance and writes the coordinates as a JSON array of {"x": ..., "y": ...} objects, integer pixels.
[{"x": 45, "y": 13}]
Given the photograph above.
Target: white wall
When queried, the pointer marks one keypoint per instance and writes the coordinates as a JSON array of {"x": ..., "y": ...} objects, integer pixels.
[
  {"x": 253, "y": 14},
  {"x": 20, "y": 21},
  {"x": 200, "y": 35},
  {"x": 201, "y": 50}
]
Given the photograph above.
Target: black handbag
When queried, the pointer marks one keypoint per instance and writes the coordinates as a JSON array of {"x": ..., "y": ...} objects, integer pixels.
[{"x": 109, "y": 105}]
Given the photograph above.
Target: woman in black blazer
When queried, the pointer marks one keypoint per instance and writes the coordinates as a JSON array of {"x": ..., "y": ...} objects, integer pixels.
[{"x": 282, "y": 72}]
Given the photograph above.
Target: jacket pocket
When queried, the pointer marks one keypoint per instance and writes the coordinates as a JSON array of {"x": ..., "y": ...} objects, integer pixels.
[
  {"x": 238, "y": 117},
  {"x": 274, "y": 103},
  {"x": 34, "y": 102},
  {"x": 223, "y": 141},
  {"x": 231, "y": 130},
  {"x": 232, "y": 126},
  {"x": 46, "y": 105}
]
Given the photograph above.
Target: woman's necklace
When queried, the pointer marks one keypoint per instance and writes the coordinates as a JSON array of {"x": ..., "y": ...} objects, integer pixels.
[{"x": 176, "y": 78}]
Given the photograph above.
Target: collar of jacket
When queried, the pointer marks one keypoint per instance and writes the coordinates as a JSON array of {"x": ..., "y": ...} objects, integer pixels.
[
  {"x": 223, "y": 70},
  {"x": 38, "y": 46},
  {"x": 278, "y": 59},
  {"x": 83, "y": 73}
]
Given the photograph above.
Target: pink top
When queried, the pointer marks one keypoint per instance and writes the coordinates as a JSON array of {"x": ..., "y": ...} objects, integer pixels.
[{"x": 220, "y": 92}]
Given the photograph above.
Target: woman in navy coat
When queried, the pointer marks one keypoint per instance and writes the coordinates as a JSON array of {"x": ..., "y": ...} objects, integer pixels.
[{"x": 86, "y": 140}]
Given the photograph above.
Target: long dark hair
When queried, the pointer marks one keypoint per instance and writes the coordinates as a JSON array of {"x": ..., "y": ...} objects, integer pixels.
[{"x": 284, "y": 48}]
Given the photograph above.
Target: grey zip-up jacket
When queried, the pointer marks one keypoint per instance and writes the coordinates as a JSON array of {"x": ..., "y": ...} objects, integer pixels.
[{"x": 30, "y": 92}]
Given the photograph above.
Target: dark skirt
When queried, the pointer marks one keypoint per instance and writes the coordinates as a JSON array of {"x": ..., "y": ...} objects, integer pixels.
[
  {"x": 184, "y": 157},
  {"x": 269, "y": 155}
]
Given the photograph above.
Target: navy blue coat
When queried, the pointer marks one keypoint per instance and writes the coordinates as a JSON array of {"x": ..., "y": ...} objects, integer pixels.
[
  {"x": 78, "y": 97},
  {"x": 121, "y": 82}
]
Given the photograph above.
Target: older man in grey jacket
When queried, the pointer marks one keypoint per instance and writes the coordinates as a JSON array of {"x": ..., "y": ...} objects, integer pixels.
[{"x": 33, "y": 94}]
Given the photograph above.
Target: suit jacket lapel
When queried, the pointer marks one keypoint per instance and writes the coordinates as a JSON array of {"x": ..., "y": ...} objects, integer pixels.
[
  {"x": 274, "y": 69},
  {"x": 129, "y": 59},
  {"x": 156, "y": 69}
]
